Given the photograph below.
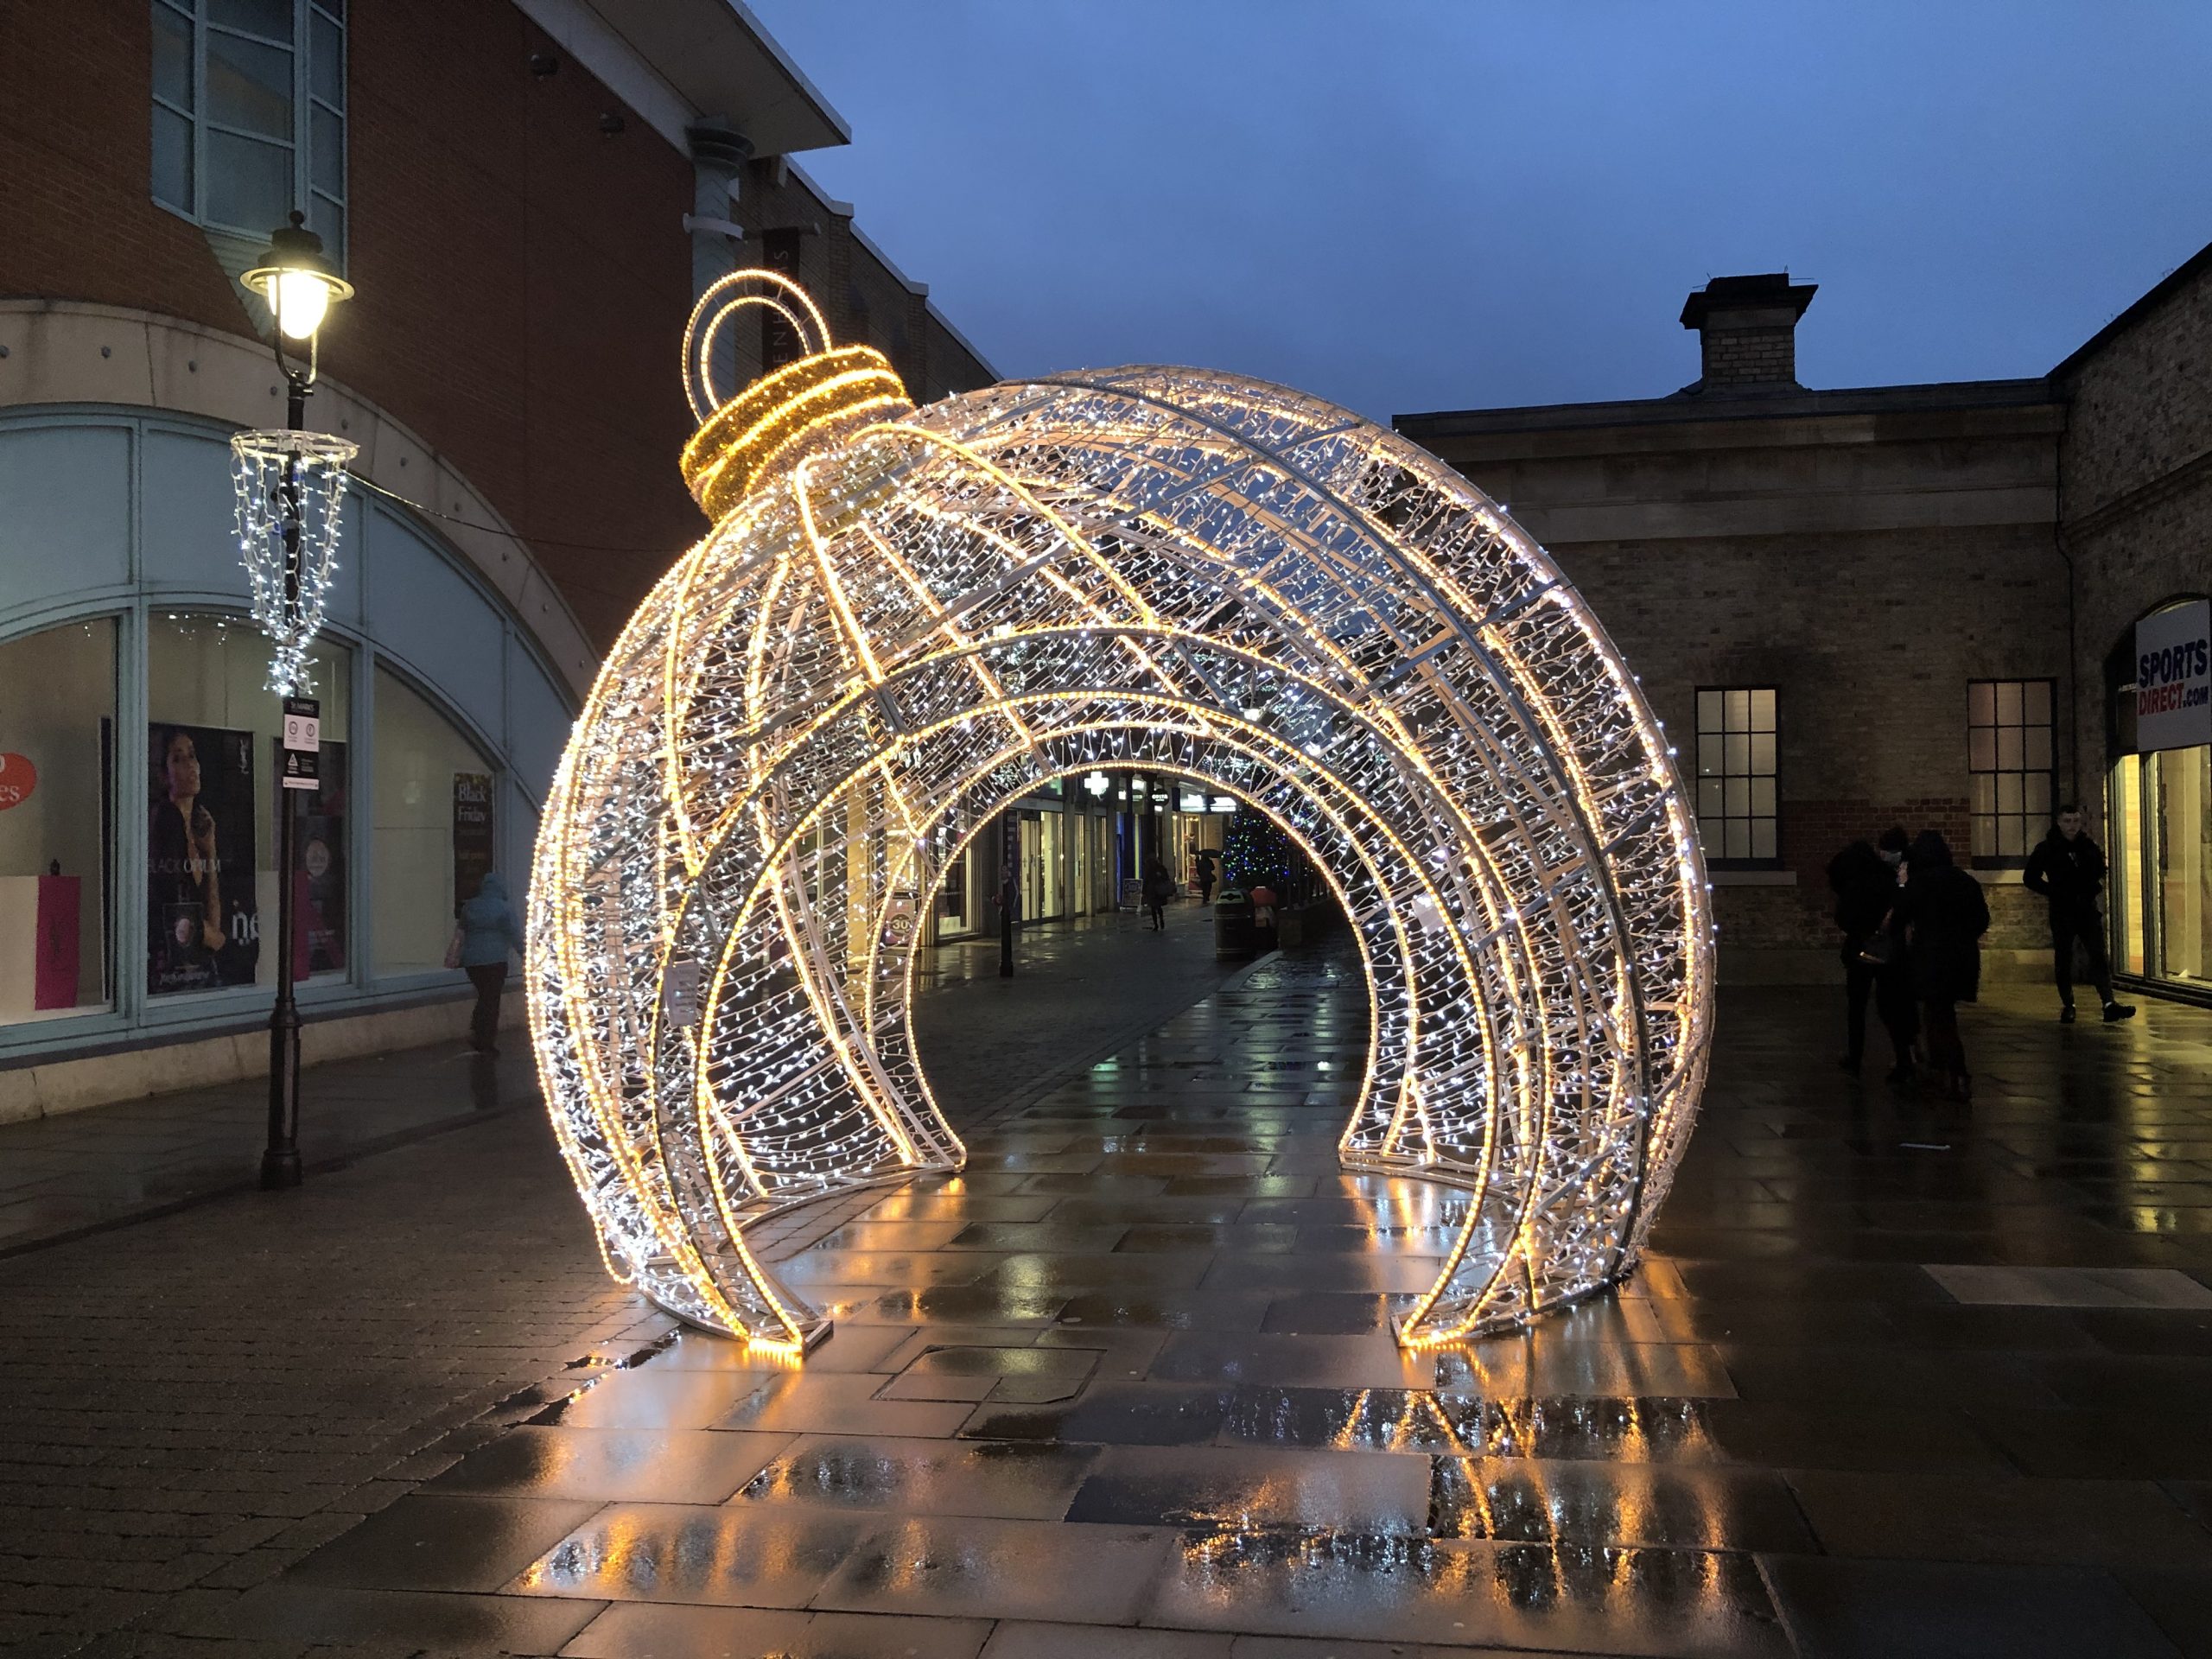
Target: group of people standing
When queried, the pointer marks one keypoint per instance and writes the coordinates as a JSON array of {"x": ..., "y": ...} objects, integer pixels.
[{"x": 1912, "y": 922}]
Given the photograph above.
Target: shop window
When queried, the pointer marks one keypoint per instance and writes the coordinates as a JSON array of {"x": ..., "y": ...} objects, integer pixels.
[
  {"x": 2011, "y": 757},
  {"x": 435, "y": 832},
  {"x": 1739, "y": 775},
  {"x": 2179, "y": 784},
  {"x": 249, "y": 113},
  {"x": 213, "y": 732},
  {"x": 954, "y": 886},
  {"x": 2160, "y": 891},
  {"x": 2125, "y": 837},
  {"x": 57, "y": 821}
]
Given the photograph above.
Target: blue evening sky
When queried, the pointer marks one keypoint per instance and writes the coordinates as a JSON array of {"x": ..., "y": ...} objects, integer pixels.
[{"x": 1407, "y": 205}]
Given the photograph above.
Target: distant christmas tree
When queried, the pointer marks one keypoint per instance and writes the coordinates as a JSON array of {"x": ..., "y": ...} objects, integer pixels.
[{"x": 1253, "y": 850}]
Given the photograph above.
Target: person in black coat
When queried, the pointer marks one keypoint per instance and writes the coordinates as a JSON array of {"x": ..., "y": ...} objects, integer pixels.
[
  {"x": 1159, "y": 888},
  {"x": 1864, "y": 882},
  {"x": 2068, "y": 869},
  {"x": 1944, "y": 916}
]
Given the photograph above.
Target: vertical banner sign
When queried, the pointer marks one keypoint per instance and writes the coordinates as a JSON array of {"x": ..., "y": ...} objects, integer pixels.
[
  {"x": 202, "y": 928},
  {"x": 472, "y": 833},
  {"x": 2173, "y": 678},
  {"x": 319, "y": 868},
  {"x": 299, "y": 753}
]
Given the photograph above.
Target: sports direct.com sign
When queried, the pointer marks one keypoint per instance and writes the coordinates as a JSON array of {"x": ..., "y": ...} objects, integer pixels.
[{"x": 2173, "y": 677}]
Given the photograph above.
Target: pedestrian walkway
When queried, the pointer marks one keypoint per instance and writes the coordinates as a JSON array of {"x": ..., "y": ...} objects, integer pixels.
[
  {"x": 86, "y": 1170},
  {"x": 1084, "y": 987},
  {"x": 1899, "y": 1382}
]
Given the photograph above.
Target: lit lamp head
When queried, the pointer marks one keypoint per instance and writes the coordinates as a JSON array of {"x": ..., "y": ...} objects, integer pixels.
[{"x": 297, "y": 280}]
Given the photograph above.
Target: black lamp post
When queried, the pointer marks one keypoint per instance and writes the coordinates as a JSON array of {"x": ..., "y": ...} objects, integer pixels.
[
  {"x": 300, "y": 285},
  {"x": 1009, "y": 886}
]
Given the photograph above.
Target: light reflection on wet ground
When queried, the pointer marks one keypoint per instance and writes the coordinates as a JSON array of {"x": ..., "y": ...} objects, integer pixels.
[{"x": 1132, "y": 1369}]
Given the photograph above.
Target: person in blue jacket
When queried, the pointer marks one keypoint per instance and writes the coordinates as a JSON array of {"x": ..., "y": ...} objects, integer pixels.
[{"x": 489, "y": 929}]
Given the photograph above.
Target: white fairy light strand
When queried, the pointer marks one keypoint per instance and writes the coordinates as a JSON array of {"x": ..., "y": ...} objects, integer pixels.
[
  {"x": 903, "y": 620},
  {"x": 265, "y": 467}
]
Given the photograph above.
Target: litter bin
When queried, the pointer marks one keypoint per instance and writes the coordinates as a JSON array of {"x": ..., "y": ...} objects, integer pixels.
[{"x": 1232, "y": 923}]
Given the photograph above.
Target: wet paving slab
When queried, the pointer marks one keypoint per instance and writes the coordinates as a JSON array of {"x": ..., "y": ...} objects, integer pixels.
[{"x": 1127, "y": 1387}]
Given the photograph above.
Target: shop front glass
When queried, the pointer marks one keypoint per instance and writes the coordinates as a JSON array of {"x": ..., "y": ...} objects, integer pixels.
[
  {"x": 212, "y": 739},
  {"x": 2162, "y": 869},
  {"x": 436, "y": 834},
  {"x": 1079, "y": 847},
  {"x": 57, "y": 821},
  {"x": 2126, "y": 840},
  {"x": 1043, "y": 889},
  {"x": 1098, "y": 834},
  {"x": 2179, "y": 822},
  {"x": 1055, "y": 864},
  {"x": 954, "y": 890}
]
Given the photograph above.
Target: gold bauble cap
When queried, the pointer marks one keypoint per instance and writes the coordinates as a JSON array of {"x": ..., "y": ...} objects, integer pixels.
[
  {"x": 769, "y": 426},
  {"x": 829, "y": 393}
]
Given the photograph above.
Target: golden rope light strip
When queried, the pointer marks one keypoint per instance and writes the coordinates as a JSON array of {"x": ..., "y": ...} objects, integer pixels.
[
  {"x": 1545, "y": 857},
  {"x": 767, "y": 882},
  {"x": 1202, "y": 728},
  {"x": 723, "y": 299},
  {"x": 852, "y": 700},
  {"x": 1696, "y": 930},
  {"x": 1407, "y": 748},
  {"x": 1406, "y": 744},
  {"x": 863, "y": 1076},
  {"x": 1409, "y": 1097}
]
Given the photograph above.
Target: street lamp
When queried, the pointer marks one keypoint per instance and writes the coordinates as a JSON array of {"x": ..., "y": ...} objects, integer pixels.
[
  {"x": 289, "y": 486},
  {"x": 299, "y": 284}
]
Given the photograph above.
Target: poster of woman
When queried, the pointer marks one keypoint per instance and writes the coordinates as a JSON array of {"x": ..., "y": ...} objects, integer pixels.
[{"x": 202, "y": 931}]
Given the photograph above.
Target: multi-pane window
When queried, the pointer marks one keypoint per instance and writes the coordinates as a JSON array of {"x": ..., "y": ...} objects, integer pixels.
[
  {"x": 249, "y": 119},
  {"x": 2013, "y": 758},
  {"x": 1737, "y": 774}
]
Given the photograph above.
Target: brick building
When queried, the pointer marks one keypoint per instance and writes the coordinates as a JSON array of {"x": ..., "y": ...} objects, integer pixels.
[
  {"x": 527, "y": 194},
  {"x": 1908, "y": 604}
]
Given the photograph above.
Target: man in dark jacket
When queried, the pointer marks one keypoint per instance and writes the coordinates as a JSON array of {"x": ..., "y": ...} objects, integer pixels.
[
  {"x": 1864, "y": 882},
  {"x": 2068, "y": 869},
  {"x": 1944, "y": 915}
]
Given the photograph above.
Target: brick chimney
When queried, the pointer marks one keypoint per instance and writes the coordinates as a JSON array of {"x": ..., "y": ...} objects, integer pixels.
[{"x": 1749, "y": 329}]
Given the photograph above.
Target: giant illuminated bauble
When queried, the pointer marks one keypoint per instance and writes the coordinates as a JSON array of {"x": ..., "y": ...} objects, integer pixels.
[{"x": 904, "y": 620}]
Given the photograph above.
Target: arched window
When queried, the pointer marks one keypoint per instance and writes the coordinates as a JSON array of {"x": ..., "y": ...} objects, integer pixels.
[
  {"x": 57, "y": 806},
  {"x": 435, "y": 833}
]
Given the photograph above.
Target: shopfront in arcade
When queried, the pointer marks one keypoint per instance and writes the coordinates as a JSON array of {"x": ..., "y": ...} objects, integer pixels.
[
  {"x": 2158, "y": 800},
  {"x": 139, "y": 754}
]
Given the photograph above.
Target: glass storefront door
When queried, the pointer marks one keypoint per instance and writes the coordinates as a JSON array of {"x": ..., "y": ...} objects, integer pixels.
[
  {"x": 1103, "y": 876},
  {"x": 954, "y": 895},
  {"x": 2179, "y": 831},
  {"x": 1054, "y": 863},
  {"x": 2161, "y": 882},
  {"x": 1081, "y": 890},
  {"x": 2125, "y": 837},
  {"x": 1044, "y": 888}
]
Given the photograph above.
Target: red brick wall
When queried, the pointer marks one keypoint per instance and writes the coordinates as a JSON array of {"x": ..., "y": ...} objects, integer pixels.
[
  {"x": 524, "y": 279},
  {"x": 75, "y": 168}
]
